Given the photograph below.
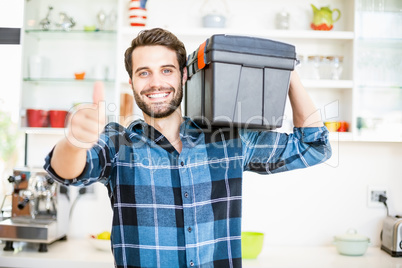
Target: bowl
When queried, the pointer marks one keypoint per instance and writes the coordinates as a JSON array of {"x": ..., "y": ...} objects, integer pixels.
[
  {"x": 89, "y": 28},
  {"x": 79, "y": 76},
  {"x": 351, "y": 243},
  {"x": 100, "y": 244},
  {"x": 251, "y": 244}
]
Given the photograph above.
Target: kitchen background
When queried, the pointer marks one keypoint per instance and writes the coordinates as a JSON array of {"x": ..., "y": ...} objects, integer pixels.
[{"x": 303, "y": 207}]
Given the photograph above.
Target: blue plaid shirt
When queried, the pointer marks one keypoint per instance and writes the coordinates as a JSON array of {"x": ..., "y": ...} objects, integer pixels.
[{"x": 184, "y": 210}]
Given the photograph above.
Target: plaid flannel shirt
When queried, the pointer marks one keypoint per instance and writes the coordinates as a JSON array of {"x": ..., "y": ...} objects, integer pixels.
[{"x": 184, "y": 210}]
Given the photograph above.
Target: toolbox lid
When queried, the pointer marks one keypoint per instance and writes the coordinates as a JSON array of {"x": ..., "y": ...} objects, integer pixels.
[{"x": 250, "y": 45}]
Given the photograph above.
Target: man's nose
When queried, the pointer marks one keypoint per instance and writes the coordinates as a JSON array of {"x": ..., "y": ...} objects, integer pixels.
[{"x": 156, "y": 81}]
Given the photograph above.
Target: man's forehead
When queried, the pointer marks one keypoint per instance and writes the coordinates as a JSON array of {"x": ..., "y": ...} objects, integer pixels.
[{"x": 154, "y": 53}]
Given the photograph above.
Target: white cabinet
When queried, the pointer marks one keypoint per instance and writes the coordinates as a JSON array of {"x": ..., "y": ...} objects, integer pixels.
[{"x": 378, "y": 76}]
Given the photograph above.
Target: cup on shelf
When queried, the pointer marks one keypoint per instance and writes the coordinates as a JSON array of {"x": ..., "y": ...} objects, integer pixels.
[
  {"x": 57, "y": 118},
  {"x": 37, "y": 118},
  {"x": 332, "y": 126}
]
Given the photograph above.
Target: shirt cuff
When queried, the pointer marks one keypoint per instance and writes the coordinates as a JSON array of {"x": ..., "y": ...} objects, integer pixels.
[{"x": 311, "y": 134}]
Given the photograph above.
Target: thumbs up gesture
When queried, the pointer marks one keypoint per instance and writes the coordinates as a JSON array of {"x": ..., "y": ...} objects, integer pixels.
[{"x": 88, "y": 121}]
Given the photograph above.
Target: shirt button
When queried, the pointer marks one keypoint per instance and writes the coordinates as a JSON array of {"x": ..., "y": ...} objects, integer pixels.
[
  {"x": 191, "y": 263},
  {"x": 182, "y": 163},
  {"x": 185, "y": 194},
  {"x": 189, "y": 229}
]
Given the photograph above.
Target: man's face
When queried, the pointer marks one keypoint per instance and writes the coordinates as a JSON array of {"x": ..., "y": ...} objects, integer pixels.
[{"x": 156, "y": 80}]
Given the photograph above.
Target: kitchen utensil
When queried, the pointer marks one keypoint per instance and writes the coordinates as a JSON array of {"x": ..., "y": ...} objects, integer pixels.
[
  {"x": 351, "y": 243},
  {"x": 100, "y": 244},
  {"x": 214, "y": 13},
  {"x": 332, "y": 126},
  {"x": 137, "y": 13},
  {"x": 282, "y": 20},
  {"x": 101, "y": 17},
  {"x": 251, "y": 244},
  {"x": 79, "y": 76},
  {"x": 46, "y": 22},
  {"x": 37, "y": 118},
  {"x": 322, "y": 18},
  {"x": 213, "y": 21},
  {"x": 35, "y": 66},
  {"x": 57, "y": 118},
  {"x": 40, "y": 210},
  {"x": 343, "y": 126},
  {"x": 336, "y": 64},
  {"x": 66, "y": 23},
  {"x": 391, "y": 236}
]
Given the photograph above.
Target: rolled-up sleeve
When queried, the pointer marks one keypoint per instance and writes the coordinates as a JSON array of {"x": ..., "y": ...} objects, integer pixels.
[
  {"x": 267, "y": 152},
  {"x": 98, "y": 161}
]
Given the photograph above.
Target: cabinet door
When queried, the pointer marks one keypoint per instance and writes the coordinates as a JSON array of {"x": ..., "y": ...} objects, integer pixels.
[{"x": 379, "y": 68}]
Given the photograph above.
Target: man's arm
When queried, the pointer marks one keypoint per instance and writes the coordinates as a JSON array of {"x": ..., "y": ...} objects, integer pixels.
[
  {"x": 305, "y": 114},
  {"x": 84, "y": 127}
]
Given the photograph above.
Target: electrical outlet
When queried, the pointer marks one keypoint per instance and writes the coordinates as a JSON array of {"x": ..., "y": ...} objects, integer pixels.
[{"x": 373, "y": 196}]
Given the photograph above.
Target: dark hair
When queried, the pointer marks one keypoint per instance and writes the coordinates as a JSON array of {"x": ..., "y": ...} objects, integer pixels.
[{"x": 154, "y": 37}]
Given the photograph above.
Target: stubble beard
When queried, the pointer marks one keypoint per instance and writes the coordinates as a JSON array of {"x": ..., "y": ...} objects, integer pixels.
[{"x": 161, "y": 109}]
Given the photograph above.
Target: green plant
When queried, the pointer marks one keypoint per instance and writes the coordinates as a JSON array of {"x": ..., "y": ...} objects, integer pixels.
[{"x": 8, "y": 136}]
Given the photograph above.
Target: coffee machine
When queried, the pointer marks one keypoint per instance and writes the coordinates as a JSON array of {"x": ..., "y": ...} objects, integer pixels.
[{"x": 39, "y": 210}]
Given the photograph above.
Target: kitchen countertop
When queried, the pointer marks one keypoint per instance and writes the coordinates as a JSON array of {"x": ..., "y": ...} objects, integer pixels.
[{"x": 79, "y": 253}]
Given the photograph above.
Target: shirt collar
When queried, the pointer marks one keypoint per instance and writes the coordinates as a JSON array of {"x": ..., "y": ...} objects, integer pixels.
[{"x": 189, "y": 131}]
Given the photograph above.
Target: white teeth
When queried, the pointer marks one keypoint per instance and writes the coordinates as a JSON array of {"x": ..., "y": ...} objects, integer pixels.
[{"x": 155, "y": 96}]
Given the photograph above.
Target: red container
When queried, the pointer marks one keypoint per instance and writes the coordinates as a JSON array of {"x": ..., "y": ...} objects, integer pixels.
[
  {"x": 37, "y": 118},
  {"x": 57, "y": 118}
]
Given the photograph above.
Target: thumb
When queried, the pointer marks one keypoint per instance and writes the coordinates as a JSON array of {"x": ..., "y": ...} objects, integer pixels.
[
  {"x": 99, "y": 100},
  {"x": 98, "y": 93}
]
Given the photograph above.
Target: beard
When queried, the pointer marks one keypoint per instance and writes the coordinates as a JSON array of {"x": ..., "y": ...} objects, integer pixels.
[{"x": 160, "y": 109}]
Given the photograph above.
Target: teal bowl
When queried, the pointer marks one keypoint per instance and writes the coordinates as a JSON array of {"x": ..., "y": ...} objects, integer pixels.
[{"x": 251, "y": 244}]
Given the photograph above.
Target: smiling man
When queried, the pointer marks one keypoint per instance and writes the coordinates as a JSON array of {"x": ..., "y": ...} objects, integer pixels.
[{"x": 176, "y": 189}]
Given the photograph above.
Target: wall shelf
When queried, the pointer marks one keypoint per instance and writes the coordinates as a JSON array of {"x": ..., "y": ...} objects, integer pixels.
[
  {"x": 65, "y": 80},
  {"x": 264, "y": 33}
]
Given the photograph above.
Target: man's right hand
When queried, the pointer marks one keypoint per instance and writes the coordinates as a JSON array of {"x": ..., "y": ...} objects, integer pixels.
[{"x": 88, "y": 120}]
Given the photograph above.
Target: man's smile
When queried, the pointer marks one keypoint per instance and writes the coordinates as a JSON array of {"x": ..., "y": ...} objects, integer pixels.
[{"x": 158, "y": 95}]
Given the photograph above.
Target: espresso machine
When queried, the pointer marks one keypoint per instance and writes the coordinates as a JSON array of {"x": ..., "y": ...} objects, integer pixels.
[{"x": 39, "y": 210}]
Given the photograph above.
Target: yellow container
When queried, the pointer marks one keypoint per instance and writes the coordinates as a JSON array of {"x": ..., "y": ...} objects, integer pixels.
[{"x": 251, "y": 244}]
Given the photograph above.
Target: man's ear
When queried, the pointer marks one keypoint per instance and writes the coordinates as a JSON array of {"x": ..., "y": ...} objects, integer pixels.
[
  {"x": 130, "y": 81},
  {"x": 184, "y": 75}
]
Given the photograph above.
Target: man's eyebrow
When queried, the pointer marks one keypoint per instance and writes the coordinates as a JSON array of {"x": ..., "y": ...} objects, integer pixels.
[
  {"x": 163, "y": 66},
  {"x": 141, "y": 68}
]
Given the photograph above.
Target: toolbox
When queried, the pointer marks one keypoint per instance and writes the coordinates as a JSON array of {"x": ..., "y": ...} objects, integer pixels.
[{"x": 239, "y": 81}]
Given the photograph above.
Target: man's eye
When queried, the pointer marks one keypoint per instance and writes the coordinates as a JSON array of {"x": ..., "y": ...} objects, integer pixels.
[
  {"x": 144, "y": 73},
  {"x": 167, "y": 71}
]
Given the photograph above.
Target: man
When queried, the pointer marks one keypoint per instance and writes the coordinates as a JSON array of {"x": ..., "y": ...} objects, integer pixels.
[{"x": 175, "y": 189}]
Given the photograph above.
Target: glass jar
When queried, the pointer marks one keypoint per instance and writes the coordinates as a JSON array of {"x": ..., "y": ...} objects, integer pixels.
[
  {"x": 336, "y": 66},
  {"x": 313, "y": 63}
]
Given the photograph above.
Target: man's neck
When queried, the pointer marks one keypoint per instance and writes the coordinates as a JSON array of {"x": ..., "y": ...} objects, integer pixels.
[{"x": 169, "y": 127}]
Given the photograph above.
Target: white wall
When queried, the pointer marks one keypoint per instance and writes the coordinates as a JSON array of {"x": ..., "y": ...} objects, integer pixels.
[{"x": 310, "y": 206}]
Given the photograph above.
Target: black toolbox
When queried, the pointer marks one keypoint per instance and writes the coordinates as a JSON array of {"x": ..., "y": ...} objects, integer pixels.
[{"x": 239, "y": 81}]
